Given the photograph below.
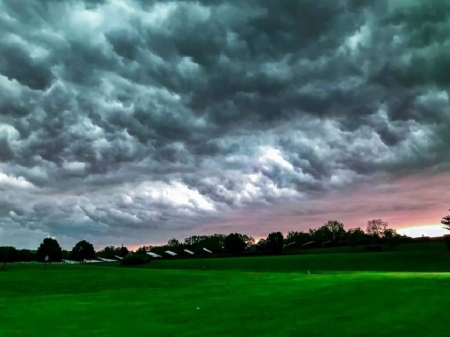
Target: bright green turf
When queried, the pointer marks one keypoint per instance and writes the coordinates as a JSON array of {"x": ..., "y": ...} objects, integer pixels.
[{"x": 101, "y": 301}]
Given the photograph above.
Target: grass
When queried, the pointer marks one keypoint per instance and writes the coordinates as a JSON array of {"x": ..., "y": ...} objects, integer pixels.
[
  {"x": 235, "y": 297},
  {"x": 404, "y": 261},
  {"x": 413, "y": 246}
]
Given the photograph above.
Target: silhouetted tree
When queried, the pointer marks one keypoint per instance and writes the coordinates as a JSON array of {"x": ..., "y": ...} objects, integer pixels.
[
  {"x": 249, "y": 240},
  {"x": 173, "y": 243},
  {"x": 336, "y": 230},
  {"x": 275, "y": 242},
  {"x": 24, "y": 255},
  {"x": 446, "y": 222},
  {"x": 198, "y": 242},
  {"x": 83, "y": 250},
  {"x": 321, "y": 234},
  {"x": 51, "y": 248},
  {"x": 65, "y": 254},
  {"x": 261, "y": 245},
  {"x": 354, "y": 236},
  {"x": 299, "y": 238},
  {"x": 376, "y": 228},
  {"x": 123, "y": 251},
  {"x": 7, "y": 255},
  {"x": 108, "y": 252},
  {"x": 144, "y": 249},
  {"x": 235, "y": 243},
  {"x": 391, "y": 237},
  {"x": 332, "y": 231}
]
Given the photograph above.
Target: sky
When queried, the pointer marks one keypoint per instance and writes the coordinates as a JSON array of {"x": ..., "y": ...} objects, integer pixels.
[{"x": 133, "y": 122}]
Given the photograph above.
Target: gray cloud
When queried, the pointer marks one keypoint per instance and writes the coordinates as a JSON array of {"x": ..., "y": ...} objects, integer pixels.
[{"x": 123, "y": 119}]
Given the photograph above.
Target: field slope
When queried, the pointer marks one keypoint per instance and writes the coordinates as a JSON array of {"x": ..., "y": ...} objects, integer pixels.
[{"x": 404, "y": 261}]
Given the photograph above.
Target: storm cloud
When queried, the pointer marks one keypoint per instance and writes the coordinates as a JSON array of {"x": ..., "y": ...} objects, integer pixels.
[{"x": 133, "y": 121}]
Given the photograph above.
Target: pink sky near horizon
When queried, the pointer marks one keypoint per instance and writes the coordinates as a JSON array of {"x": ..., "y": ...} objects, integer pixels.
[{"x": 413, "y": 205}]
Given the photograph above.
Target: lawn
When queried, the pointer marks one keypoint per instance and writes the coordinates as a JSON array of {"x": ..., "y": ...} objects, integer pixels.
[
  {"x": 403, "y": 261},
  {"x": 96, "y": 300}
]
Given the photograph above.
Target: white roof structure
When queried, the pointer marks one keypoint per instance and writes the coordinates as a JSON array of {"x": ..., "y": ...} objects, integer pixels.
[
  {"x": 70, "y": 262},
  {"x": 118, "y": 257},
  {"x": 92, "y": 261},
  {"x": 106, "y": 260},
  {"x": 289, "y": 244},
  {"x": 207, "y": 250},
  {"x": 308, "y": 243},
  {"x": 170, "y": 253},
  {"x": 153, "y": 254},
  {"x": 189, "y": 252}
]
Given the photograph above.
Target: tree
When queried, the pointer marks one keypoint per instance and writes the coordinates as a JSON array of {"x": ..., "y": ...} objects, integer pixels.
[
  {"x": 391, "y": 237},
  {"x": 142, "y": 250},
  {"x": 446, "y": 222},
  {"x": 7, "y": 255},
  {"x": 108, "y": 252},
  {"x": 51, "y": 248},
  {"x": 336, "y": 230},
  {"x": 376, "y": 228},
  {"x": 262, "y": 245},
  {"x": 123, "y": 251},
  {"x": 275, "y": 242},
  {"x": 24, "y": 255},
  {"x": 299, "y": 238},
  {"x": 83, "y": 250},
  {"x": 65, "y": 254},
  {"x": 354, "y": 236},
  {"x": 235, "y": 243},
  {"x": 212, "y": 242},
  {"x": 173, "y": 243},
  {"x": 249, "y": 240},
  {"x": 321, "y": 234}
]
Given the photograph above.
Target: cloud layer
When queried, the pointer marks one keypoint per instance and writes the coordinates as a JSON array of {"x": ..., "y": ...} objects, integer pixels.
[{"x": 134, "y": 121}]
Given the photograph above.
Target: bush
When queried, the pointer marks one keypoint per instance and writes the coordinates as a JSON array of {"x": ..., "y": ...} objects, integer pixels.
[
  {"x": 135, "y": 259},
  {"x": 373, "y": 249},
  {"x": 447, "y": 241}
]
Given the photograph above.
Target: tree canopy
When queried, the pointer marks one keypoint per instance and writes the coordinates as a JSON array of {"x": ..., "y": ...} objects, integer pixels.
[
  {"x": 51, "y": 248},
  {"x": 354, "y": 236},
  {"x": 446, "y": 222},
  {"x": 274, "y": 242},
  {"x": 376, "y": 228},
  {"x": 83, "y": 250},
  {"x": 235, "y": 243},
  {"x": 7, "y": 254}
]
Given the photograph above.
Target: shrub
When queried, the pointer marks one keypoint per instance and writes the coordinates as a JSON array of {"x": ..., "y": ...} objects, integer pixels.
[
  {"x": 135, "y": 259},
  {"x": 447, "y": 241},
  {"x": 373, "y": 249}
]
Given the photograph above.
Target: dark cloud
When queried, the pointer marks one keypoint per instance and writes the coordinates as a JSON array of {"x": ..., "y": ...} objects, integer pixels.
[
  {"x": 16, "y": 64},
  {"x": 128, "y": 118}
]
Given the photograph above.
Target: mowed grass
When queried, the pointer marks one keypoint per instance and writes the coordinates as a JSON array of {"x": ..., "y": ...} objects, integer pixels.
[
  {"x": 401, "y": 261},
  {"x": 96, "y": 300}
]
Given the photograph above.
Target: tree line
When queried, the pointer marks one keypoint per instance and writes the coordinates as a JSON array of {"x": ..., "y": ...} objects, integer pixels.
[
  {"x": 332, "y": 233},
  {"x": 83, "y": 250}
]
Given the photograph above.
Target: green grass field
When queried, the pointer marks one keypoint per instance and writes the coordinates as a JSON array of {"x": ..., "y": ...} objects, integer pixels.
[
  {"x": 401, "y": 261},
  {"x": 265, "y": 296}
]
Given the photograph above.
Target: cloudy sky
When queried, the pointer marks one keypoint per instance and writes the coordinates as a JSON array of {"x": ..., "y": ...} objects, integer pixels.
[{"x": 125, "y": 121}]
